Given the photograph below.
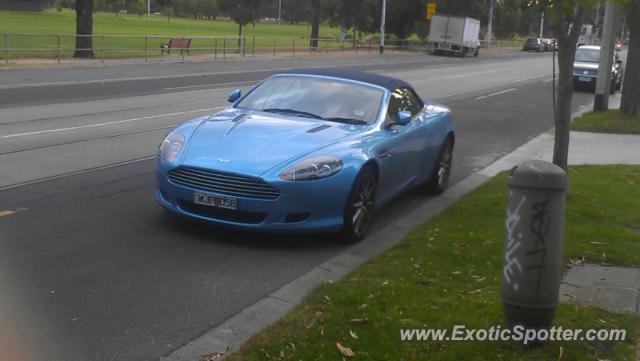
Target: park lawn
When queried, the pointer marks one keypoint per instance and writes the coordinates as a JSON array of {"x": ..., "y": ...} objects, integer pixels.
[
  {"x": 610, "y": 121},
  {"x": 54, "y": 22},
  {"x": 447, "y": 272}
]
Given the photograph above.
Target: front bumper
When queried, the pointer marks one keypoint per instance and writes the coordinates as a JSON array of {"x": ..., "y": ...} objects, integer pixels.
[{"x": 307, "y": 206}]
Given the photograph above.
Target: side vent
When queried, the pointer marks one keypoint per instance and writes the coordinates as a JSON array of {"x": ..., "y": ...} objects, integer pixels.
[{"x": 318, "y": 128}]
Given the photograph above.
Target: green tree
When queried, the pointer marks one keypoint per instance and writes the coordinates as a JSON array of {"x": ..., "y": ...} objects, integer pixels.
[
  {"x": 242, "y": 12},
  {"x": 316, "y": 13},
  {"x": 84, "y": 29},
  {"x": 566, "y": 17},
  {"x": 401, "y": 16}
]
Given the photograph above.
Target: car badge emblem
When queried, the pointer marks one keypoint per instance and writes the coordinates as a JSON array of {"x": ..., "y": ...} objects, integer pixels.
[
  {"x": 585, "y": 72},
  {"x": 224, "y": 160}
]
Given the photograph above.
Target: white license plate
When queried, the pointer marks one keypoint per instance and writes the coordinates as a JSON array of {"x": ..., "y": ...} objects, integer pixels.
[
  {"x": 584, "y": 78},
  {"x": 446, "y": 46},
  {"x": 213, "y": 200}
]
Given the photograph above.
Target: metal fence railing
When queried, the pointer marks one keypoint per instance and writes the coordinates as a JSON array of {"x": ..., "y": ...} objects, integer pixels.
[{"x": 60, "y": 47}]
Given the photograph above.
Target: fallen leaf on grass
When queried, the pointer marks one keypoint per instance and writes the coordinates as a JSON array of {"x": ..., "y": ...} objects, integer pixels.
[
  {"x": 561, "y": 353},
  {"x": 358, "y": 320},
  {"x": 345, "y": 350},
  {"x": 353, "y": 334},
  {"x": 308, "y": 326},
  {"x": 597, "y": 243},
  {"x": 386, "y": 282},
  {"x": 475, "y": 291}
]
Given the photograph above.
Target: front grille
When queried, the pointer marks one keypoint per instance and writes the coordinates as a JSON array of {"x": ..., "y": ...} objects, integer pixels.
[
  {"x": 223, "y": 183},
  {"x": 223, "y": 214}
]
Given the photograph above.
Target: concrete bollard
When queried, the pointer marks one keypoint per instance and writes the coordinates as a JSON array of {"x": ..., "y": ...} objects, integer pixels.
[{"x": 534, "y": 231}]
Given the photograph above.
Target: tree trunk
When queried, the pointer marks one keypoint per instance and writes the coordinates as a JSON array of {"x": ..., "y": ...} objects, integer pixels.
[
  {"x": 315, "y": 24},
  {"x": 630, "y": 102},
  {"x": 84, "y": 29},
  {"x": 567, "y": 38}
]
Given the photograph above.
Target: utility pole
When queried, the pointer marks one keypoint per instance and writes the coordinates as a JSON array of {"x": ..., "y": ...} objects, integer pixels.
[
  {"x": 596, "y": 26},
  {"x": 541, "y": 24},
  {"x": 382, "y": 20},
  {"x": 603, "y": 83},
  {"x": 279, "y": 11},
  {"x": 489, "y": 24},
  {"x": 148, "y": 9}
]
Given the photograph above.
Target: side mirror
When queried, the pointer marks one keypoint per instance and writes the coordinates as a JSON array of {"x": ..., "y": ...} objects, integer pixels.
[
  {"x": 234, "y": 96},
  {"x": 404, "y": 117}
]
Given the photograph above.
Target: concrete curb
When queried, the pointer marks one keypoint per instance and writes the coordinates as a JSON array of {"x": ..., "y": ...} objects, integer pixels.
[{"x": 229, "y": 335}]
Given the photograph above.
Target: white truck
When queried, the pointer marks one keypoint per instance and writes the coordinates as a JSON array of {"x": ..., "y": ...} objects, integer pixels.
[{"x": 454, "y": 34}]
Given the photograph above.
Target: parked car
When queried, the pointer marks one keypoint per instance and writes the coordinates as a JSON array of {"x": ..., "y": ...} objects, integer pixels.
[
  {"x": 586, "y": 67},
  {"x": 534, "y": 44},
  {"x": 548, "y": 44},
  {"x": 306, "y": 150}
]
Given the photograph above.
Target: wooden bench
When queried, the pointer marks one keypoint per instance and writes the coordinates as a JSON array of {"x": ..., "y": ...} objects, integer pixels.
[{"x": 181, "y": 43}]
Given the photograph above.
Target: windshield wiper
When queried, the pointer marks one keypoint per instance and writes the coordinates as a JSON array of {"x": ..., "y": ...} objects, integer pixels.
[
  {"x": 347, "y": 120},
  {"x": 292, "y": 111}
]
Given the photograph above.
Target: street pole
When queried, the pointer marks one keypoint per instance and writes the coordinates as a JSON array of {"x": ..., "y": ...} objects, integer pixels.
[
  {"x": 279, "y": 11},
  {"x": 489, "y": 23},
  {"x": 382, "y": 20},
  {"x": 541, "y": 24},
  {"x": 148, "y": 9},
  {"x": 603, "y": 83}
]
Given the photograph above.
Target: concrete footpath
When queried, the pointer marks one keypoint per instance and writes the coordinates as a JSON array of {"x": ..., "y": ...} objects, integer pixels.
[{"x": 580, "y": 283}]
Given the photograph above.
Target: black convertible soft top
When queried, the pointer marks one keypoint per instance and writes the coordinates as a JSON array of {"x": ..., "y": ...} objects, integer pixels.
[{"x": 351, "y": 74}]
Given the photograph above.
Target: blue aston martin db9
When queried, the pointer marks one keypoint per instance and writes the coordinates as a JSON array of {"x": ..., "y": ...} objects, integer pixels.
[{"x": 306, "y": 150}]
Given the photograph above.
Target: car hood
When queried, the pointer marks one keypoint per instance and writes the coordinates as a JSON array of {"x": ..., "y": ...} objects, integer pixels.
[
  {"x": 251, "y": 143},
  {"x": 585, "y": 65}
]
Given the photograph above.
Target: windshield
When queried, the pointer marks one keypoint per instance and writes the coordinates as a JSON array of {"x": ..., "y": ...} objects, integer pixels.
[
  {"x": 588, "y": 55},
  {"x": 320, "y": 98}
]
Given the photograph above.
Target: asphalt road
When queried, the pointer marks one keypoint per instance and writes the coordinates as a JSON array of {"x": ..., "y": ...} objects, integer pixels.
[{"x": 91, "y": 269}]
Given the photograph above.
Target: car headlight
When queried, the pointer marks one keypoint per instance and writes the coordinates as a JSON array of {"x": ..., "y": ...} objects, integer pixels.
[
  {"x": 171, "y": 147},
  {"x": 312, "y": 168}
]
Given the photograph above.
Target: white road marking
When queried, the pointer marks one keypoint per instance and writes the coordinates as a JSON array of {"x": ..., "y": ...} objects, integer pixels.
[
  {"x": 56, "y": 130},
  {"x": 487, "y": 87},
  {"x": 548, "y": 80},
  {"x": 496, "y": 93},
  {"x": 210, "y": 85},
  {"x": 470, "y": 74}
]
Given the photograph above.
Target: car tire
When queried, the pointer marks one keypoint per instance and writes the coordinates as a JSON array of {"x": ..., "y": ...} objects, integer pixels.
[
  {"x": 439, "y": 179},
  {"x": 360, "y": 207},
  {"x": 477, "y": 52},
  {"x": 612, "y": 88}
]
